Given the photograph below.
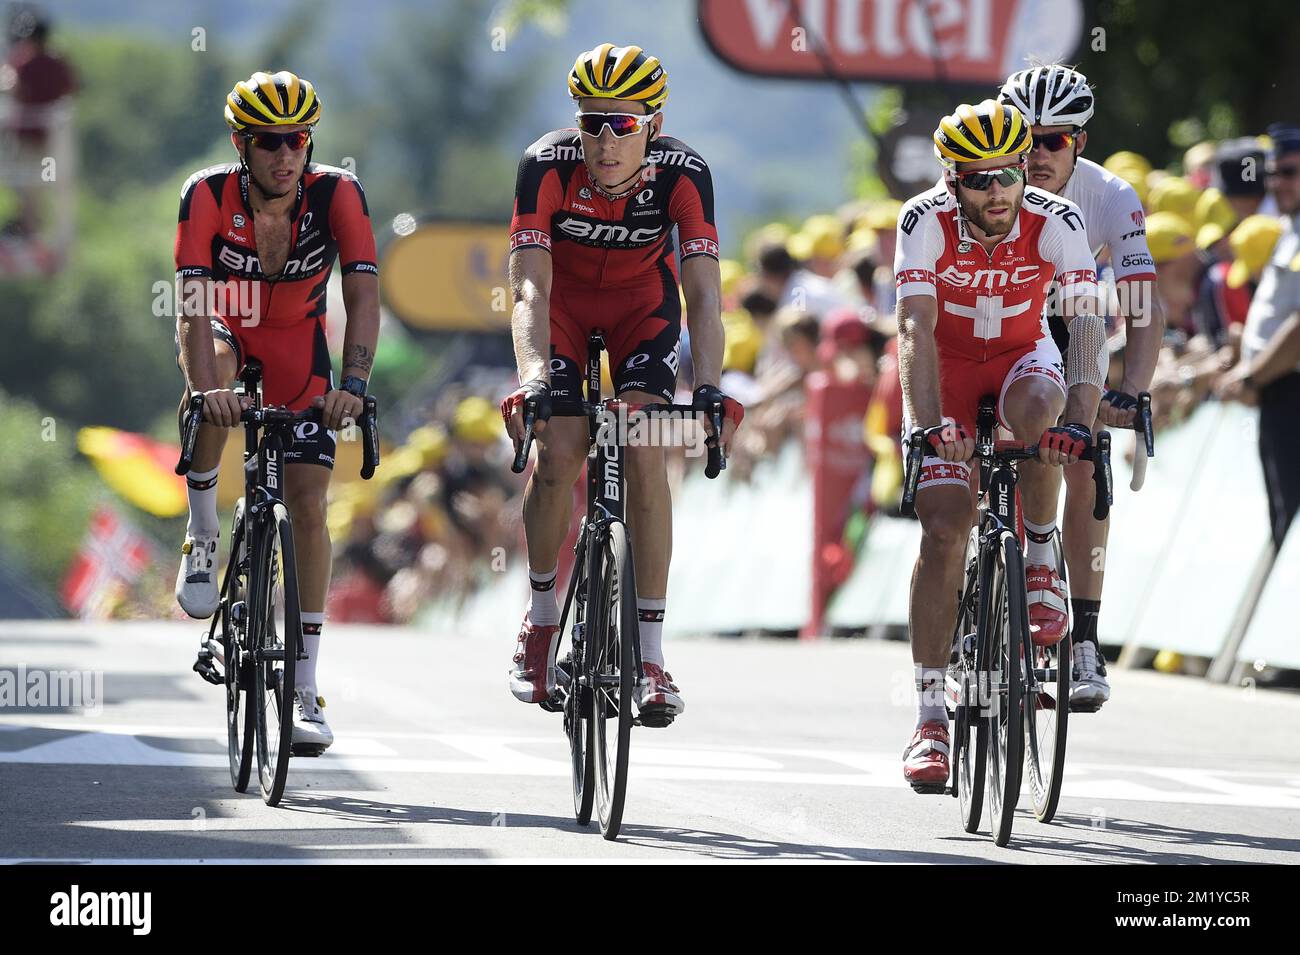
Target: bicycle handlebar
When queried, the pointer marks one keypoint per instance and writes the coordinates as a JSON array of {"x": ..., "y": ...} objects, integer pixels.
[
  {"x": 274, "y": 416},
  {"x": 1006, "y": 452},
  {"x": 717, "y": 458},
  {"x": 1143, "y": 426}
]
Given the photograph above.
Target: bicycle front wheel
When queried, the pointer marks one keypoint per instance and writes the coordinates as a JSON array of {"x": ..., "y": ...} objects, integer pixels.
[
  {"x": 1047, "y": 718},
  {"x": 612, "y": 667},
  {"x": 1007, "y": 636},
  {"x": 970, "y": 734},
  {"x": 277, "y": 636},
  {"x": 577, "y": 696},
  {"x": 241, "y": 720}
]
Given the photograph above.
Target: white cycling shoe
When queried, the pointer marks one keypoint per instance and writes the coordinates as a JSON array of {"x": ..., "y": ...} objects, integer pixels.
[
  {"x": 1089, "y": 688},
  {"x": 311, "y": 734},
  {"x": 196, "y": 581}
]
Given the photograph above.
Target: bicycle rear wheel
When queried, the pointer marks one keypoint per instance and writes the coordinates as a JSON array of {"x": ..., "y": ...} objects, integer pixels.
[
  {"x": 240, "y": 714},
  {"x": 610, "y": 632},
  {"x": 1006, "y": 641},
  {"x": 1047, "y": 717},
  {"x": 278, "y": 633},
  {"x": 970, "y": 753}
]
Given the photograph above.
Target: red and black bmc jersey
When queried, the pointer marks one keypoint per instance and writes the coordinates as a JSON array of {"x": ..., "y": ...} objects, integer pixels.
[
  {"x": 215, "y": 239},
  {"x": 597, "y": 242},
  {"x": 280, "y": 321}
]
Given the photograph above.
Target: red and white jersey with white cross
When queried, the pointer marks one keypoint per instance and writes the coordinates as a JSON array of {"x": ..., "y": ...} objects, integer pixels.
[{"x": 991, "y": 302}]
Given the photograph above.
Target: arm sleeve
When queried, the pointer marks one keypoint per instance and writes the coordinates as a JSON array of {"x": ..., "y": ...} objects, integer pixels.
[
  {"x": 1126, "y": 235},
  {"x": 350, "y": 223},
  {"x": 691, "y": 207},
  {"x": 1065, "y": 245},
  {"x": 199, "y": 221},
  {"x": 538, "y": 195},
  {"x": 917, "y": 253}
]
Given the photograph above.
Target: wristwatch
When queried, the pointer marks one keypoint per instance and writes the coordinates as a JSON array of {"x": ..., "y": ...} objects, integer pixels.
[{"x": 354, "y": 385}]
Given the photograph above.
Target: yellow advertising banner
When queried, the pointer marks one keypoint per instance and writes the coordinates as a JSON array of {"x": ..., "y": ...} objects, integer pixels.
[{"x": 449, "y": 276}]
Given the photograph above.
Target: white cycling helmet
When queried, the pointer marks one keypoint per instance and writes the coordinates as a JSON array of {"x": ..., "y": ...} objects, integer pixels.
[{"x": 1049, "y": 95}]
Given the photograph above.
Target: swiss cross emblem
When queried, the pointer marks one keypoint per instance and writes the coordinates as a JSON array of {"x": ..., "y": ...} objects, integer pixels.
[
  {"x": 987, "y": 314},
  {"x": 916, "y": 275}
]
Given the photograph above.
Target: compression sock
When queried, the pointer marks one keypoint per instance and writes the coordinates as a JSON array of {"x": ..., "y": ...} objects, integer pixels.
[
  {"x": 1085, "y": 621},
  {"x": 650, "y": 624},
  {"x": 311, "y": 628},
  {"x": 202, "y": 489},
  {"x": 543, "y": 608},
  {"x": 1038, "y": 543},
  {"x": 929, "y": 695}
]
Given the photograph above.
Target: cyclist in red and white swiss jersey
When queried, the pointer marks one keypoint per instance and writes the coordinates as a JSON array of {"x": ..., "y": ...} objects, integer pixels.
[
  {"x": 592, "y": 248},
  {"x": 976, "y": 258},
  {"x": 1058, "y": 102}
]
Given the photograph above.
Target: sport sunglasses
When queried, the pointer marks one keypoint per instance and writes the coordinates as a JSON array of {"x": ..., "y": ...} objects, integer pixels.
[
  {"x": 1005, "y": 177},
  {"x": 272, "y": 142},
  {"x": 620, "y": 124},
  {"x": 1054, "y": 142}
]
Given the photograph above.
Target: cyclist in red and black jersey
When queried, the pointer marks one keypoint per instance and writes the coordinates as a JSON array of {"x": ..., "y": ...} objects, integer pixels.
[
  {"x": 592, "y": 247},
  {"x": 255, "y": 244}
]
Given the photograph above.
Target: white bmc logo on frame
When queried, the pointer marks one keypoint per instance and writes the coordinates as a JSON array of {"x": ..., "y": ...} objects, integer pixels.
[{"x": 74, "y": 907}]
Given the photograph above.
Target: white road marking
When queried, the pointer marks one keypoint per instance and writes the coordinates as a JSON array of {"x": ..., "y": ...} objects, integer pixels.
[{"x": 511, "y": 755}]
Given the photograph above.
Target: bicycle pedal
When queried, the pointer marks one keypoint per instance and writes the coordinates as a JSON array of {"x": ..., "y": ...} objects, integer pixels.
[
  {"x": 930, "y": 789},
  {"x": 552, "y": 705},
  {"x": 310, "y": 750},
  {"x": 655, "y": 717},
  {"x": 206, "y": 668},
  {"x": 1087, "y": 707}
]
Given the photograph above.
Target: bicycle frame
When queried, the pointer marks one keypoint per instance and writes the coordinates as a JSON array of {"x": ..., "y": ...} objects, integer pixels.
[{"x": 606, "y": 483}]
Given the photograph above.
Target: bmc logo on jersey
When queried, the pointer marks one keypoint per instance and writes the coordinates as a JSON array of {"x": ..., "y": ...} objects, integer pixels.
[
  {"x": 676, "y": 158},
  {"x": 559, "y": 153},
  {"x": 1059, "y": 207},
  {"x": 608, "y": 234},
  {"x": 912, "y": 214},
  {"x": 989, "y": 278},
  {"x": 248, "y": 264}
]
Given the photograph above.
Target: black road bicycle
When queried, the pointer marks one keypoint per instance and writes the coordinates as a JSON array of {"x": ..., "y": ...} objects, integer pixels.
[
  {"x": 255, "y": 653},
  {"x": 595, "y": 682},
  {"x": 1009, "y": 696}
]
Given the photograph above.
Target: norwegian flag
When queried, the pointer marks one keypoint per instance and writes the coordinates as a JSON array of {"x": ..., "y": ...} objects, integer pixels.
[{"x": 112, "y": 555}]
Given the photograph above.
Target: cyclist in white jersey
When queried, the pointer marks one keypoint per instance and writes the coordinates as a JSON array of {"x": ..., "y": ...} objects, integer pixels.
[{"x": 1058, "y": 102}]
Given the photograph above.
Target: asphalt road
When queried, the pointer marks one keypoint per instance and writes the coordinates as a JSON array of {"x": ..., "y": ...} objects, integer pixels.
[{"x": 786, "y": 752}]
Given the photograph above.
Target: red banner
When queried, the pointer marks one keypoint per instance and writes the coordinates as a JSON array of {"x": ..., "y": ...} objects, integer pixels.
[
  {"x": 902, "y": 41},
  {"x": 838, "y": 457}
]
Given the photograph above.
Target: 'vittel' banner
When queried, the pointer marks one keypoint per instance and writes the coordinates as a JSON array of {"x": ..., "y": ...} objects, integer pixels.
[{"x": 900, "y": 41}]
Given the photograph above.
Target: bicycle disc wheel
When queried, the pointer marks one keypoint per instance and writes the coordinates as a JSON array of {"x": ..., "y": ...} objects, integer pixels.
[
  {"x": 1047, "y": 718},
  {"x": 612, "y": 666},
  {"x": 577, "y": 702},
  {"x": 278, "y": 634},
  {"x": 970, "y": 733},
  {"x": 1006, "y": 727},
  {"x": 240, "y": 715}
]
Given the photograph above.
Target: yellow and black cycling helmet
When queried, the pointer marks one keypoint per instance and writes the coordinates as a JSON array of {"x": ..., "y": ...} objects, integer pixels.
[
  {"x": 272, "y": 99},
  {"x": 620, "y": 72},
  {"x": 990, "y": 130}
]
